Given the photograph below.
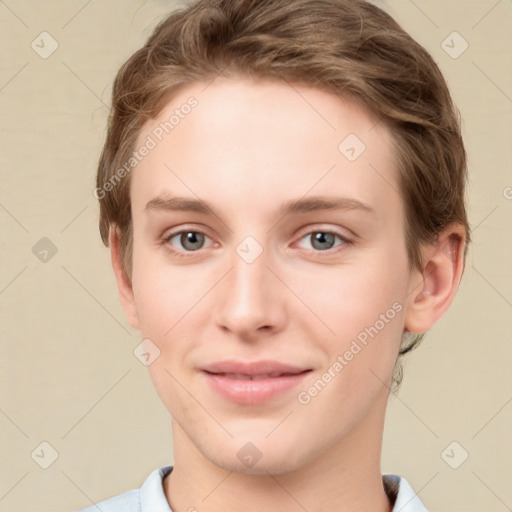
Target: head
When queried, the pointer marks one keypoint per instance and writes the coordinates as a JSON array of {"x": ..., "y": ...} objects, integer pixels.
[{"x": 274, "y": 101}]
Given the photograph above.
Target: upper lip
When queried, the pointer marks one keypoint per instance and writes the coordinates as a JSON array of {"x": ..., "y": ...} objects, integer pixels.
[{"x": 253, "y": 368}]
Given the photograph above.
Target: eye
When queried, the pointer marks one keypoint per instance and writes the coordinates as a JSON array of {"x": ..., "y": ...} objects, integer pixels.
[
  {"x": 323, "y": 241},
  {"x": 189, "y": 240},
  {"x": 193, "y": 240}
]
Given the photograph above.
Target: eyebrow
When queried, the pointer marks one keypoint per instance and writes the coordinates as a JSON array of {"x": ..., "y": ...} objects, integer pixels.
[{"x": 303, "y": 205}]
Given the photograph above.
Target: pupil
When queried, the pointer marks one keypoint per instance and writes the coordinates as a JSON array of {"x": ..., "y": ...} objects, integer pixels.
[
  {"x": 323, "y": 238},
  {"x": 190, "y": 238}
]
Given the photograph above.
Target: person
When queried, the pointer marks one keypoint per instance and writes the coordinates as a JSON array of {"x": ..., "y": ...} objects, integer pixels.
[{"x": 282, "y": 191}]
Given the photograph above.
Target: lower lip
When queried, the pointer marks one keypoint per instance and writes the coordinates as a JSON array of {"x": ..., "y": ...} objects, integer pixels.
[{"x": 251, "y": 392}]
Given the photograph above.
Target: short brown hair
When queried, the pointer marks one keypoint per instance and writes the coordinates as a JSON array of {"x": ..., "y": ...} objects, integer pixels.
[{"x": 349, "y": 48}]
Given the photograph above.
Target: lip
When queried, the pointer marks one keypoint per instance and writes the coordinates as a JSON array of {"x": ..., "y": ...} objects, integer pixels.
[{"x": 251, "y": 383}]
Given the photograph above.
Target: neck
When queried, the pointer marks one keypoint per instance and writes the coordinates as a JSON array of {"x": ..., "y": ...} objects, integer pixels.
[{"x": 346, "y": 477}]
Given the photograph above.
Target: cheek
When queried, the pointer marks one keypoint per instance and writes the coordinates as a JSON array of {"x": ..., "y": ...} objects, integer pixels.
[
  {"x": 162, "y": 305},
  {"x": 153, "y": 305},
  {"x": 360, "y": 357},
  {"x": 163, "y": 294},
  {"x": 356, "y": 297},
  {"x": 365, "y": 312}
]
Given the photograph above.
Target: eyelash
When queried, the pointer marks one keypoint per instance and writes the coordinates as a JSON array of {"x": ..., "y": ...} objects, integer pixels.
[{"x": 186, "y": 254}]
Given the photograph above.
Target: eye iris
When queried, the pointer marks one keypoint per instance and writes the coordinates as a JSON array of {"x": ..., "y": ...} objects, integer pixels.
[
  {"x": 322, "y": 238},
  {"x": 190, "y": 237}
]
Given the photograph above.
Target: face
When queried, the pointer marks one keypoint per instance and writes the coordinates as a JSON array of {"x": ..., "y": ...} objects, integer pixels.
[{"x": 269, "y": 270}]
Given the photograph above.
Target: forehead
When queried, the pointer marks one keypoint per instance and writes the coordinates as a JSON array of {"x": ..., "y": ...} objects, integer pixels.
[{"x": 245, "y": 142}]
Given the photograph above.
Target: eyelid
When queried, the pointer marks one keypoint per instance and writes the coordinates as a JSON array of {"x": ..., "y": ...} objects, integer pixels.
[
  {"x": 319, "y": 228},
  {"x": 168, "y": 234}
]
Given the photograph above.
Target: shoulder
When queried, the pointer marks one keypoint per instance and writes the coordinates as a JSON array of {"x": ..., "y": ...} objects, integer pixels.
[{"x": 150, "y": 497}]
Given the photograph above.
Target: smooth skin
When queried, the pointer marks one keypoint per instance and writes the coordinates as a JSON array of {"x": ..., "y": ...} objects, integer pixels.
[{"x": 246, "y": 149}]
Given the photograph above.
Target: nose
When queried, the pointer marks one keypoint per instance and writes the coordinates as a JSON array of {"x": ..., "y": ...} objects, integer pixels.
[{"x": 251, "y": 300}]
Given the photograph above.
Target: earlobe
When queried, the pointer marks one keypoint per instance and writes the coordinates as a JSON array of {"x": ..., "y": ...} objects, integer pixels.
[
  {"x": 429, "y": 298},
  {"x": 124, "y": 284}
]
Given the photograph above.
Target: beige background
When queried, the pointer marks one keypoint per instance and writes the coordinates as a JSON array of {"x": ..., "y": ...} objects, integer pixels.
[{"x": 68, "y": 374}]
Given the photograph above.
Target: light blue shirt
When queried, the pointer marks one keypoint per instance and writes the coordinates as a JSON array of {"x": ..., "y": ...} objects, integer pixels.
[{"x": 151, "y": 497}]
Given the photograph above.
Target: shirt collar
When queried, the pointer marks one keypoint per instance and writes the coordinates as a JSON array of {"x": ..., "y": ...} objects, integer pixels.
[
  {"x": 152, "y": 495},
  {"x": 402, "y": 494}
]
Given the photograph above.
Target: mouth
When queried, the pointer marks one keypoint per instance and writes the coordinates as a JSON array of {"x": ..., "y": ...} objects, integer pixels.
[
  {"x": 242, "y": 376},
  {"x": 253, "y": 383}
]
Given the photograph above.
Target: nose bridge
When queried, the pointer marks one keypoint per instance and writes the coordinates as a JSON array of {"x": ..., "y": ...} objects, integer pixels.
[
  {"x": 249, "y": 268},
  {"x": 250, "y": 299}
]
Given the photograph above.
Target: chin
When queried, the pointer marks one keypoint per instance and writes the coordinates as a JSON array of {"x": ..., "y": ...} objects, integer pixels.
[
  {"x": 261, "y": 468},
  {"x": 263, "y": 458}
]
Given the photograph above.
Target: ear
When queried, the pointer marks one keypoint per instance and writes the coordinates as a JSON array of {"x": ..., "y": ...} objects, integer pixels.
[
  {"x": 124, "y": 284},
  {"x": 433, "y": 290}
]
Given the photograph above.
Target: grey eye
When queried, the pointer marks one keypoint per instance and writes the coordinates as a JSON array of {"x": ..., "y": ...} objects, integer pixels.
[
  {"x": 190, "y": 240},
  {"x": 322, "y": 240}
]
